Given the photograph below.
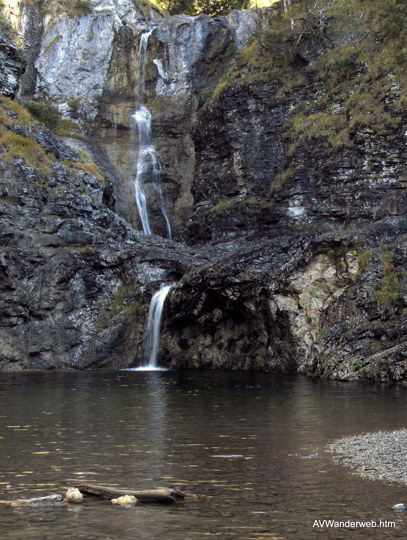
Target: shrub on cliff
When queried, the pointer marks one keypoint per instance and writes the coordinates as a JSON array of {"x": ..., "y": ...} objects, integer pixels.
[
  {"x": 178, "y": 6},
  {"x": 214, "y": 8},
  {"x": 45, "y": 112}
]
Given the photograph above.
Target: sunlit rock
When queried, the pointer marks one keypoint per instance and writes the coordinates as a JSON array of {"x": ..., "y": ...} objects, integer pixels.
[
  {"x": 73, "y": 495},
  {"x": 125, "y": 500}
]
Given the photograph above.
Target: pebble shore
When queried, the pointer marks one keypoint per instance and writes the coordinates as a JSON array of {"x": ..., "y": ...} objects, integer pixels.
[{"x": 378, "y": 456}]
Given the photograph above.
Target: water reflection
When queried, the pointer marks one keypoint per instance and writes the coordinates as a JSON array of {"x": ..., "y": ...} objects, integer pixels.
[
  {"x": 146, "y": 368},
  {"x": 248, "y": 445}
]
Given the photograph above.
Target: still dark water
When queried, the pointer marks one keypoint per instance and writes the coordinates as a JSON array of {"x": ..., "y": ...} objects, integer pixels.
[{"x": 250, "y": 445}]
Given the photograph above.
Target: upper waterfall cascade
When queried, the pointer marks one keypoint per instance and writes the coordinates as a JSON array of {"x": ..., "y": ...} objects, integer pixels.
[{"x": 148, "y": 165}]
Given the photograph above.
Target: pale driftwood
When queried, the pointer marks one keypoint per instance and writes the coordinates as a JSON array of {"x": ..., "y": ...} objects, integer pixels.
[
  {"x": 163, "y": 495},
  {"x": 49, "y": 500}
]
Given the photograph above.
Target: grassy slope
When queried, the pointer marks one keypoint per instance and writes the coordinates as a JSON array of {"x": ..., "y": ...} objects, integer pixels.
[
  {"x": 24, "y": 145},
  {"x": 365, "y": 61}
]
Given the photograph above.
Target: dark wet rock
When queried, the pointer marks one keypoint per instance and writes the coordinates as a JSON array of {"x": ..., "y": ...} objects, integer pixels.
[
  {"x": 12, "y": 66},
  {"x": 331, "y": 305},
  {"x": 54, "y": 145},
  {"x": 243, "y": 187}
]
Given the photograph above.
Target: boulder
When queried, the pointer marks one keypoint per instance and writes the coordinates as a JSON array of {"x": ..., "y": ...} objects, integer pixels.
[{"x": 73, "y": 495}]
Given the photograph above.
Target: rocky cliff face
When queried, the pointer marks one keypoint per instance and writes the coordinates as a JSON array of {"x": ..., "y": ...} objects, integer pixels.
[
  {"x": 76, "y": 279},
  {"x": 284, "y": 168},
  {"x": 320, "y": 303},
  {"x": 89, "y": 64},
  {"x": 246, "y": 184},
  {"x": 12, "y": 66}
]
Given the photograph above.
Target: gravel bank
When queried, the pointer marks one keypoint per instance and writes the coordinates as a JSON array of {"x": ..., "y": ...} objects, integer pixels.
[{"x": 378, "y": 456}]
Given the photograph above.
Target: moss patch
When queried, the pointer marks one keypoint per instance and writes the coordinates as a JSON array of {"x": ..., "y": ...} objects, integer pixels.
[
  {"x": 15, "y": 145},
  {"x": 246, "y": 204},
  {"x": 280, "y": 180},
  {"x": 86, "y": 165},
  {"x": 124, "y": 304},
  {"x": 11, "y": 110},
  {"x": 391, "y": 284},
  {"x": 18, "y": 146},
  {"x": 45, "y": 112}
]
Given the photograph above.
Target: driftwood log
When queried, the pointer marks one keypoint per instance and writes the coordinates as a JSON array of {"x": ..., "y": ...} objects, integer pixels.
[
  {"x": 162, "y": 495},
  {"x": 49, "y": 500}
]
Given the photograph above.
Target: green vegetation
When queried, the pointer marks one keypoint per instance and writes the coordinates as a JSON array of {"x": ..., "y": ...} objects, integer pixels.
[
  {"x": 332, "y": 127},
  {"x": 33, "y": 154},
  {"x": 56, "y": 39},
  {"x": 45, "y": 112},
  {"x": 280, "y": 179},
  {"x": 22, "y": 115},
  {"x": 246, "y": 204},
  {"x": 81, "y": 7},
  {"x": 48, "y": 114},
  {"x": 390, "y": 289},
  {"x": 124, "y": 303},
  {"x": 214, "y": 8},
  {"x": 4, "y": 24},
  {"x": 359, "y": 76},
  {"x": 391, "y": 283},
  {"x": 363, "y": 260},
  {"x": 13, "y": 145},
  {"x": 178, "y": 6},
  {"x": 122, "y": 296},
  {"x": 145, "y": 6},
  {"x": 87, "y": 166},
  {"x": 221, "y": 206},
  {"x": 74, "y": 103},
  {"x": 231, "y": 50},
  {"x": 69, "y": 128}
]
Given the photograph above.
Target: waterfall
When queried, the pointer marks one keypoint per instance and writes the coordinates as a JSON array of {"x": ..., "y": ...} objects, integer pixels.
[
  {"x": 148, "y": 166},
  {"x": 143, "y": 64},
  {"x": 114, "y": 121},
  {"x": 152, "y": 338}
]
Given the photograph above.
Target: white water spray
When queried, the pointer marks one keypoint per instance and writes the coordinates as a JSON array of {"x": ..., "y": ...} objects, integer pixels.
[
  {"x": 152, "y": 339},
  {"x": 148, "y": 166}
]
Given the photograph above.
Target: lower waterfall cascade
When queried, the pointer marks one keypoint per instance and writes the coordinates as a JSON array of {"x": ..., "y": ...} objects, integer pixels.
[{"x": 153, "y": 329}]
